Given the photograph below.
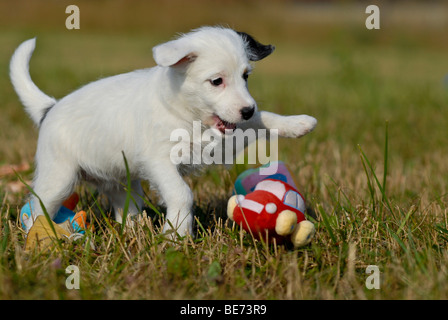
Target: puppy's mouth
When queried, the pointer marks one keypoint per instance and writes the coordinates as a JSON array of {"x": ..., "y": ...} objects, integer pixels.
[{"x": 223, "y": 126}]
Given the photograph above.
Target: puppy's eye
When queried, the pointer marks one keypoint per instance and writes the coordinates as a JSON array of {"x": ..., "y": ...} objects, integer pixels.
[
  {"x": 245, "y": 76},
  {"x": 216, "y": 82}
]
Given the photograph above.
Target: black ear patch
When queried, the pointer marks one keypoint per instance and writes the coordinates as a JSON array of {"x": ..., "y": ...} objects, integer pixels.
[{"x": 256, "y": 50}]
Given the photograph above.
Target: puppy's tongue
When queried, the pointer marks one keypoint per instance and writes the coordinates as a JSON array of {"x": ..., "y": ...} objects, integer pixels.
[{"x": 223, "y": 125}]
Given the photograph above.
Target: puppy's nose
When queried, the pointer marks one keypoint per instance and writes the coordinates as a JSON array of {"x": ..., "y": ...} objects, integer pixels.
[{"x": 247, "y": 112}]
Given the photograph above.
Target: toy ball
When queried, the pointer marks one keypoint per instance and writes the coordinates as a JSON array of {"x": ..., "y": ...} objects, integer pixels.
[
  {"x": 272, "y": 210},
  {"x": 73, "y": 222},
  {"x": 66, "y": 223}
]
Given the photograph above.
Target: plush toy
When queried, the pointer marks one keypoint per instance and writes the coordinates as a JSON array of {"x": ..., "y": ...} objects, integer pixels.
[
  {"x": 65, "y": 224},
  {"x": 270, "y": 207}
]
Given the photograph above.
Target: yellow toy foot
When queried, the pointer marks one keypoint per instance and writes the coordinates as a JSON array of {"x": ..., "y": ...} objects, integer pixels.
[
  {"x": 42, "y": 236},
  {"x": 303, "y": 233}
]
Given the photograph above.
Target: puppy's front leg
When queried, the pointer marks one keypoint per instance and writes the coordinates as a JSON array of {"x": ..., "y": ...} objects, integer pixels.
[
  {"x": 287, "y": 126},
  {"x": 177, "y": 196}
]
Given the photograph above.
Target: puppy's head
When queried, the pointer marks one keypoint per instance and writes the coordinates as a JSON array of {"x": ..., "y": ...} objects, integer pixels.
[{"x": 211, "y": 66}]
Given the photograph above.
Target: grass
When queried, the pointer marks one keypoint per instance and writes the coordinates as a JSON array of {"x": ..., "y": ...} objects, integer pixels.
[{"x": 374, "y": 172}]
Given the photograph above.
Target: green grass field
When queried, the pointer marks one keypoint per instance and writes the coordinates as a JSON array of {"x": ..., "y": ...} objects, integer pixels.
[{"x": 374, "y": 172}]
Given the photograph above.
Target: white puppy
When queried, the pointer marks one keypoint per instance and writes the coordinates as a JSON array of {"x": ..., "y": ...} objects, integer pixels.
[{"x": 201, "y": 76}]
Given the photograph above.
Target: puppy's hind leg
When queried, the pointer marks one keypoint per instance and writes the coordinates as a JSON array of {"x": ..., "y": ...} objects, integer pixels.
[
  {"x": 54, "y": 182},
  {"x": 117, "y": 196}
]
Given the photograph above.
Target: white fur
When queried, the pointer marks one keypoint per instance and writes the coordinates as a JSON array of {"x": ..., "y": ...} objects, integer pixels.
[
  {"x": 85, "y": 133},
  {"x": 34, "y": 100}
]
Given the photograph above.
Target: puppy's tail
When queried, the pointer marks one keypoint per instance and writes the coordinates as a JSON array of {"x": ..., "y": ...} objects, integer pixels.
[{"x": 35, "y": 101}]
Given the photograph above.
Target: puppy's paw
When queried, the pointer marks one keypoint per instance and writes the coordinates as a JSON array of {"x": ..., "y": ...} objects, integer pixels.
[
  {"x": 173, "y": 231},
  {"x": 297, "y": 126}
]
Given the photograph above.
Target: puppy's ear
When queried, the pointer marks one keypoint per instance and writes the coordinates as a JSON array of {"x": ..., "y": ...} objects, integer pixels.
[
  {"x": 256, "y": 50},
  {"x": 173, "y": 53}
]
